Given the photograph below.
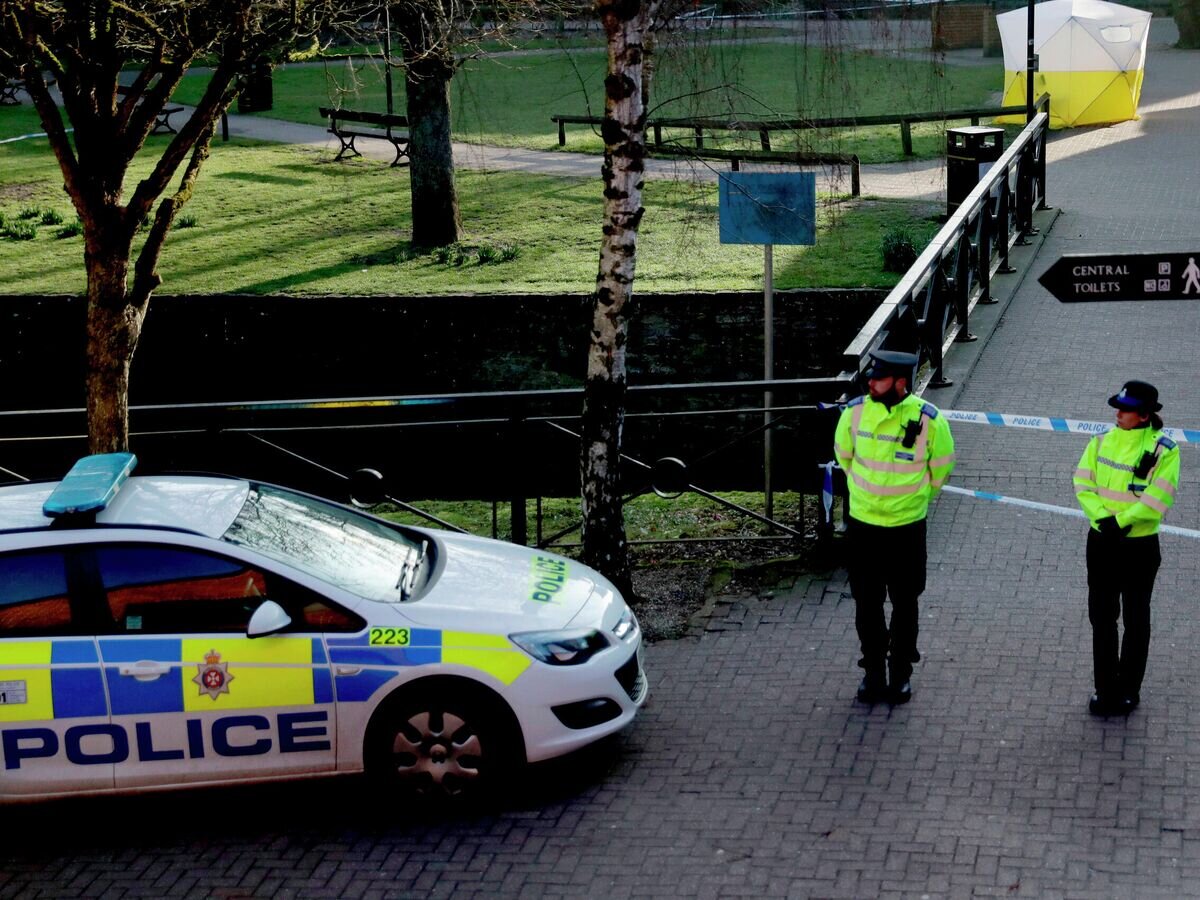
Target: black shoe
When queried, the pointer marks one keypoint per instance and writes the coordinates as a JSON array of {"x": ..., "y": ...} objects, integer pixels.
[
  {"x": 872, "y": 690},
  {"x": 1110, "y": 706},
  {"x": 898, "y": 696}
]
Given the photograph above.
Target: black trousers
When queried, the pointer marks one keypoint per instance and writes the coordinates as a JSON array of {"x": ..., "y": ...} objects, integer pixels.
[
  {"x": 1121, "y": 575},
  {"x": 887, "y": 563}
]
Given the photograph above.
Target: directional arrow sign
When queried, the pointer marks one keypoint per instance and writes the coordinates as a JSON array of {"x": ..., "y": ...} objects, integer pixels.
[{"x": 1124, "y": 276}]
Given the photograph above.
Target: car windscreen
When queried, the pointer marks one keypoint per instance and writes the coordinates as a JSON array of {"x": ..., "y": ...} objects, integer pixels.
[{"x": 335, "y": 544}]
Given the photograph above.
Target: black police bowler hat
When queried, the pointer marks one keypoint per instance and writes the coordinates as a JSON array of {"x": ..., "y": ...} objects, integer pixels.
[
  {"x": 891, "y": 362},
  {"x": 1136, "y": 396}
]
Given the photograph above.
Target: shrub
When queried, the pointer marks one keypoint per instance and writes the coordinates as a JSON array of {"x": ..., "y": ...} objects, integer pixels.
[
  {"x": 453, "y": 255},
  {"x": 29, "y": 212},
  {"x": 71, "y": 229},
  {"x": 51, "y": 217},
  {"x": 185, "y": 222},
  {"x": 487, "y": 255},
  {"x": 22, "y": 231},
  {"x": 899, "y": 250},
  {"x": 509, "y": 252}
]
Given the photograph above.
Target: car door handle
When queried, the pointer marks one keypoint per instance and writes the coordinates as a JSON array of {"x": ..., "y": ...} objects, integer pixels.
[
  {"x": 145, "y": 670},
  {"x": 347, "y": 670}
]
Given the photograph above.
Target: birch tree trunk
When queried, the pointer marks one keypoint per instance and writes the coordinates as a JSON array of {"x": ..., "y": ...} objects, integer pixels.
[{"x": 624, "y": 130}]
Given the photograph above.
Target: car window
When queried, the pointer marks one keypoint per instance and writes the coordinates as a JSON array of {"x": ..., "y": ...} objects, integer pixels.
[
  {"x": 33, "y": 594},
  {"x": 162, "y": 590},
  {"x": 168, "y": 590},
  {"x": 334, "y": 544}
]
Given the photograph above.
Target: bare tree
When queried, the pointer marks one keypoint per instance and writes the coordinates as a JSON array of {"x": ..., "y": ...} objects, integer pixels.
[
  {"x": 436, "y": 37},
  {"x": 1187, "y": 17},
  {"x": 628, "y": 26},
  {"x": 84, "y": 48}
]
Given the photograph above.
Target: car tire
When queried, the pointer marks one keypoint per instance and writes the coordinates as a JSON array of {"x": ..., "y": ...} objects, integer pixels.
[{"x": 440, "y": 741}]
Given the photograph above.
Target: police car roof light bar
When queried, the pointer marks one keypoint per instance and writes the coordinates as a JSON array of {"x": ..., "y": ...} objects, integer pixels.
[{"x": 90, "y": 485}]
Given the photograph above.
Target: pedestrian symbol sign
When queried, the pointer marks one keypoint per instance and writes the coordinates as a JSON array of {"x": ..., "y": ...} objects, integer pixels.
[{"x": 1087, "y": 277}]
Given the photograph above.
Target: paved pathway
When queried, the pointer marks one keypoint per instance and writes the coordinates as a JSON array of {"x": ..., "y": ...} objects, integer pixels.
[{"x": 752, "y": 772}]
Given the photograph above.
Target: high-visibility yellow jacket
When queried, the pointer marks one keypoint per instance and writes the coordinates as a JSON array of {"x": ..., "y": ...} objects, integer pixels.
[
  {"x": 1107, "y": 482},
  {"x": 891, "y": 484}
]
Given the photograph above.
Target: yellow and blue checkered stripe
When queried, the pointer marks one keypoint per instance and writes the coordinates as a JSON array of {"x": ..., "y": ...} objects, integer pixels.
[
  {"x": 72, "y": 689},
  {"x": 277, "y": 671},
  {"x": 490, "y": 653}
]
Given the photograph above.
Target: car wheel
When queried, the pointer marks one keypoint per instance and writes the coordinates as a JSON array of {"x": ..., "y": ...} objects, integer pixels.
[{"x": 439, "y": 744}]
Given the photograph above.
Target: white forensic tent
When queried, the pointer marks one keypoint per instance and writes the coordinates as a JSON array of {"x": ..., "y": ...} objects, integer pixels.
[{"x": 1091, "y": 58}]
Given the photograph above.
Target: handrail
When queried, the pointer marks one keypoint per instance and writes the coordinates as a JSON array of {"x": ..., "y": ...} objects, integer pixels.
[{"x": 931, "y": 304}]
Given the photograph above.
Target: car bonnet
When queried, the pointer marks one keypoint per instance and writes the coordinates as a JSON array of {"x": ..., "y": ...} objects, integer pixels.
[{"x": 514, "y": 587}]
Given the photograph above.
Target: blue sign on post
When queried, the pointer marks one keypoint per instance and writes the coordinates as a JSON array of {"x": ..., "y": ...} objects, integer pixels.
[{"x": 768, "y": 208}]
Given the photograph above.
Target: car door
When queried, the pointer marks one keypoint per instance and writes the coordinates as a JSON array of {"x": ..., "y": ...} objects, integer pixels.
[
  {"x": 200, "y": 699},
  {"x": 55, "y": 733}
]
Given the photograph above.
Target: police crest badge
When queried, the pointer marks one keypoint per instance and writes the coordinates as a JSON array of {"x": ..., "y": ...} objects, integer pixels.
[{"x": 213, "y": 675}]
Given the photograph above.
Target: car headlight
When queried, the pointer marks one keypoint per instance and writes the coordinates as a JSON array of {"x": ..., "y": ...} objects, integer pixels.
[
  {"x": 561, "y": 648},
  {"x": 627, "y": 627}
]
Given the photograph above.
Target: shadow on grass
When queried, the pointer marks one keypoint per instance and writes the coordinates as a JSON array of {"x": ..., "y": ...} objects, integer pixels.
[{"x": 261, "y": 177}]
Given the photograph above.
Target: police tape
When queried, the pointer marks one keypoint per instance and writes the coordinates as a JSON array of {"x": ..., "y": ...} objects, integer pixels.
[
  {"x": 1053, "y": 423},
  {"x": 1051, "y": 508},
  {"x": 827, "y": 502},
  {"x": 1042, "y": 423}
]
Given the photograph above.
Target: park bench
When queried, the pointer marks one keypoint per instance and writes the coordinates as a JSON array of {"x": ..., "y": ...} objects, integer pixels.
[
  {"x": 162, "y": 120},
  {"x": 383, "y": 123},
  {"x": 8, "y": 91}
]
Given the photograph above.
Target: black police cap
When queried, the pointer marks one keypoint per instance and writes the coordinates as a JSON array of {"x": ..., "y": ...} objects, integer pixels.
[
  {"x": 1136, "y": 396},
  {"x": 891, "y": 362}
]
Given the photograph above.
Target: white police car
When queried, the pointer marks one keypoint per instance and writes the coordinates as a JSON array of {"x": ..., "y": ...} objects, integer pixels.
[{"x": 176, "y": 630}]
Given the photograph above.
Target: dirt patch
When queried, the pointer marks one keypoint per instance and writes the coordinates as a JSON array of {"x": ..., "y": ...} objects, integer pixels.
[
  {"x": 26, "y": 190},
  {"x": 678, "y": 585}
]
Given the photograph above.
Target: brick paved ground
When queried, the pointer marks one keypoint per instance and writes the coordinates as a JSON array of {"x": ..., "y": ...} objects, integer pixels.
[{"x": 752, "y": 772}]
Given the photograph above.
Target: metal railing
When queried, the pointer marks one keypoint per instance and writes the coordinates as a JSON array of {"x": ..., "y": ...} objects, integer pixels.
[
  {"x": 518, "y": 444},
  {"x": 934, "y": 299}
]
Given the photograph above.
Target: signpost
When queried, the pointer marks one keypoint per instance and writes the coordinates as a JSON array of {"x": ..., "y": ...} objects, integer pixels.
[
  {"x": 1088, "y": 277},
  {"x": 768, "y": 208}
]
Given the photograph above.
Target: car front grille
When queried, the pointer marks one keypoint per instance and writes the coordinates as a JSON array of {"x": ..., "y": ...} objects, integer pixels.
[{"x": 632, "y": 679}]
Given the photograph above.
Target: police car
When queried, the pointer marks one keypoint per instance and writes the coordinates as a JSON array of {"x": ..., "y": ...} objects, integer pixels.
[{"x": 169, "y": 631}]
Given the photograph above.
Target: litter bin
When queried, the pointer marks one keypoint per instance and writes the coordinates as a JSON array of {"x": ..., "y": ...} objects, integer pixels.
[
  {"x": 969, "y": 153},
  {"x": 256, "y": 92}
]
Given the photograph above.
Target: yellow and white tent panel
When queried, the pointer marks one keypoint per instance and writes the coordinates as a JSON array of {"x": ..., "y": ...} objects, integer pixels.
[{"x": 1091, "y": 59}]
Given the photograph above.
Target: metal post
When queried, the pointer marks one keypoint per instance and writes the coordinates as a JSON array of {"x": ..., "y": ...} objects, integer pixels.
[
  {"x": 768, "y": 371},
  {"x": 387, "y": 53},
  {"x": 1030, "y": 65},
  {"x": 518, "y": 493}
]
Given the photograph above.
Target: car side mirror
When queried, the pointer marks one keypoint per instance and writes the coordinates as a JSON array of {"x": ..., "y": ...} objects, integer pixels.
[
  {"x": 366, "y": 488},
  {"x": 267, "y": 619}
]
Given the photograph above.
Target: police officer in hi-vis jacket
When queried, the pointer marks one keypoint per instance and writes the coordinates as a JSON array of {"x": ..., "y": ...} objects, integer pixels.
[
  {"x": 1125, "y": 482},
  {"x": 897, "y": 453}
]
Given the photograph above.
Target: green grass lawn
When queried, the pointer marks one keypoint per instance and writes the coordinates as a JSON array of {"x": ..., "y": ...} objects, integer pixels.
[
  {"x": 271, "y": 218},
  {"x": 508, "y": 100}
]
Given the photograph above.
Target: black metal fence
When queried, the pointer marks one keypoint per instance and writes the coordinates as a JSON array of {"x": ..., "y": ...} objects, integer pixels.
[{"x": 931, "y": 306}]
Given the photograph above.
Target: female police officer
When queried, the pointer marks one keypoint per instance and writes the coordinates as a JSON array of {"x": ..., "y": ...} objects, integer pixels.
[{"x": 1125, "y": 482}]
